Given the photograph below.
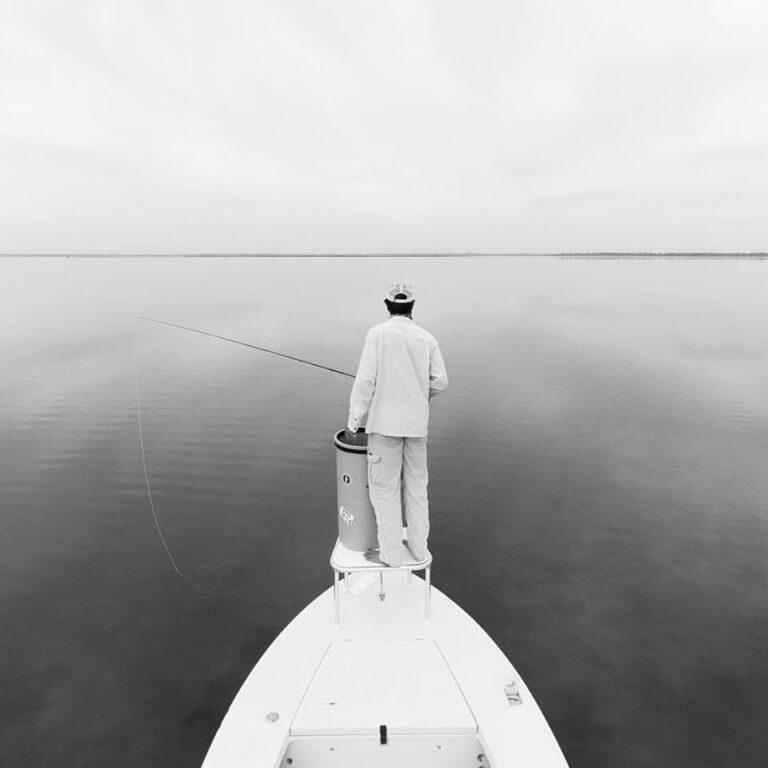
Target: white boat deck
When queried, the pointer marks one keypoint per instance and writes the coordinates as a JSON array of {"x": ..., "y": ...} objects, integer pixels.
[{"x": 323, "y": 690}]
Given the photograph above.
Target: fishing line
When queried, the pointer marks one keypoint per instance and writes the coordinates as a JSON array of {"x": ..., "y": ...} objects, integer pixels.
[
  {"x": 159, "y": 528},
  {"x": 250, "y": 346}
]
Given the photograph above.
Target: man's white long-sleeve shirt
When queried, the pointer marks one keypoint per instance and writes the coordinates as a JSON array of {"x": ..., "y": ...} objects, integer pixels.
[{"x": 401, "y": 367}]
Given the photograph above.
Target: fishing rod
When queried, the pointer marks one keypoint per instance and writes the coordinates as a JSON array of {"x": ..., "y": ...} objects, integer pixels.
[{"x": 246, "y": 344}]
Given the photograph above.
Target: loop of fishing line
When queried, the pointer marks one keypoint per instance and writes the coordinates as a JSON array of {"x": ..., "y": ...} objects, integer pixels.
[
  {"x": 159, "y": 528},
  {"x": 168, "y": 552}
]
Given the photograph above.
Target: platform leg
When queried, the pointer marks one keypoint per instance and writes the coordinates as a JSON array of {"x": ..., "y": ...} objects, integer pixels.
[
  {"x": 382, "y": 594},
  {"x": 428, "y": 594},
  {"x": 346, "y": 583},
  {"x": 336, "y": 611}
]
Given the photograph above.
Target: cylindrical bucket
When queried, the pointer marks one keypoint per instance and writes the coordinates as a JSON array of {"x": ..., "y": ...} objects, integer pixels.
[{"x": 357, "y": 521}]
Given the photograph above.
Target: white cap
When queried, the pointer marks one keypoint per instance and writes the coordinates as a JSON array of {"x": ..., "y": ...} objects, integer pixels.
[{"x": 399, "y": 293}]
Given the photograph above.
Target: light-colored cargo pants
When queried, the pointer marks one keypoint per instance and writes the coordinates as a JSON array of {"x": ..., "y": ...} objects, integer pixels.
[{"x": 397, "y": 479}]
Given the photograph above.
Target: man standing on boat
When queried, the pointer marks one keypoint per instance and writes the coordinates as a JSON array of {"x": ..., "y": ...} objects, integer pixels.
[{"x": 400, "y": 369}]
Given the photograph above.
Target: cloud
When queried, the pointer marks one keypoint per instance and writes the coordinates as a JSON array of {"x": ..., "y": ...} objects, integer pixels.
[{"x": 340, "y": 126}]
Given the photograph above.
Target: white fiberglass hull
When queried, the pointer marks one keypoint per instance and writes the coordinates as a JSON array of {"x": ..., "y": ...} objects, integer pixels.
[{"x": 384, "y": 688}]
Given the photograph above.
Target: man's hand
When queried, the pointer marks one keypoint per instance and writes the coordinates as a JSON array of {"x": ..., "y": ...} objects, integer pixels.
[{"x": 351, "y": 430}]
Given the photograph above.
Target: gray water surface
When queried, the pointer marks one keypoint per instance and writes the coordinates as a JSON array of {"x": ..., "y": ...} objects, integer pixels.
[{"x": 599, "y": 499}]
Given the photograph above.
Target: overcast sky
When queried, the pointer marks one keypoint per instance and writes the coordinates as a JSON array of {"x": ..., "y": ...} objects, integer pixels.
[{"x": 162, "y": 126}]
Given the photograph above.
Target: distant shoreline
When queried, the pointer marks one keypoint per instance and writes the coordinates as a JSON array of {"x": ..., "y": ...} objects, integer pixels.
[{"x": 617, "y": 255}]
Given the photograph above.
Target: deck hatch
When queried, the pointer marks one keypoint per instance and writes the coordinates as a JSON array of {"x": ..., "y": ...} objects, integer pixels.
[{"x": 361, "y": 684}]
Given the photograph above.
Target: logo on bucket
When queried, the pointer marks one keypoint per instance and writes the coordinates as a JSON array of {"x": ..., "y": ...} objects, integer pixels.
[
  {"x": 346, "y": 479},
  {"x": 347, "y": 517}
]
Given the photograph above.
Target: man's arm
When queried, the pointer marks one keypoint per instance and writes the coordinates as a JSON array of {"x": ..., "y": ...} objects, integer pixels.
[
  {"x": 365, "y": 383},
  {"x": 438, "y": 377}
]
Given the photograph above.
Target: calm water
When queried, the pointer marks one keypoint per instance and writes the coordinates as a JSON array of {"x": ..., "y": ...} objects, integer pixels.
[{"x": 598, "y": 490}]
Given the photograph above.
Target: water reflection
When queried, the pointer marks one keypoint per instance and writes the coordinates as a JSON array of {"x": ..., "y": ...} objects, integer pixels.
[{"x": 598, "y": 500}]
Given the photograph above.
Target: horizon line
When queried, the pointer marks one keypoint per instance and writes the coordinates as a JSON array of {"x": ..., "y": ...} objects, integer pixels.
[{"x": 398, "y": 254}]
